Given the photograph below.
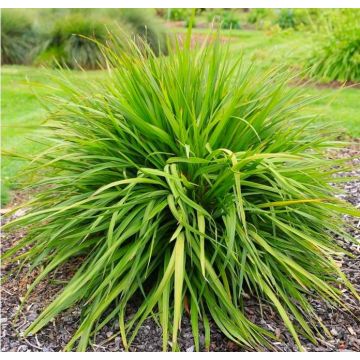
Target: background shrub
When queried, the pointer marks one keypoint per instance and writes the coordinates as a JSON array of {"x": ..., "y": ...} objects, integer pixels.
[
  {"x": 19, "y": 37},
  {"x": 227, "y": 19},
  {"x": 188, "y": 176},
  {"x": 71, "y": 43},
  {"x": 261, "y": 18},
  {"x": 64, "y": 32},
  {"x": 143, "y": 23},
  {"x": 230, "y": 20},
  {"x": 179, "y": 14},
  {"x": 336, "y": 55},
  {"x": 298, "y": 18},
  {"x": 286, "y": 19},
  {"x": 257, "y": 15}
]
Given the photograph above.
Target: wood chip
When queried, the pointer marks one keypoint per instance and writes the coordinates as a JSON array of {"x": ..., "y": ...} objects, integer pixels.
[
  {"x": 351, "y": 331},
  {"x": 4, "y": 211}
]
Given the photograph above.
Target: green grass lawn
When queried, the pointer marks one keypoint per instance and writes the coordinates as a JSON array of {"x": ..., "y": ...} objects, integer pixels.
[
  {"x": 21, "y": 117},
  {"x": 339, "y": 108},
  {"x": 22, "y": 114},
  {"x": 266, "y": 48}
]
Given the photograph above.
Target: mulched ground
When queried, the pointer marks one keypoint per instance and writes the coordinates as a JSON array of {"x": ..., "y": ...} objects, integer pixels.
[{"x": 344, "y": 326}]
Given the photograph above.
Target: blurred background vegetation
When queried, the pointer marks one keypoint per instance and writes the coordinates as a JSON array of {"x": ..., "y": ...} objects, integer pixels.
[
  {"x": 320, "y": 46},
  {"x": 328, "y": 48},
  {"x": 62, "y": 36}
]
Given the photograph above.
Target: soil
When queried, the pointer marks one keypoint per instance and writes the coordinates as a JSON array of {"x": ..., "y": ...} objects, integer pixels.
[
  {"x": 344, "y": 326},
  {"x": 335, "y": 84}
]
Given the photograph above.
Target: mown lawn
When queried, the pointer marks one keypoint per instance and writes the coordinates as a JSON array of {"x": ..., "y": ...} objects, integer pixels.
[
  {"x": 22, "y": 114},
  {"x": 21, "y": 117},
  {"x": 22, "y": 89}
]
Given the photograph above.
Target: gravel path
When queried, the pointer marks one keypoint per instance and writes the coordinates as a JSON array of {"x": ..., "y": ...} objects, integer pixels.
[{"x": 344, "y": 327}]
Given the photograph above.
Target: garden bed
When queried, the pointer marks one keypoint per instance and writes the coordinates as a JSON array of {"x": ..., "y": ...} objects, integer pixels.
[{"x": 344, "y": 326}]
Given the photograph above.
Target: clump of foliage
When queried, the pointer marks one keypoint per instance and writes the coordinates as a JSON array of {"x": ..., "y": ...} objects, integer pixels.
[
  {"x": 19, "y": 37},
  {"x": 144, "y": 24},
  {"x": 186, "y": 179},
  {"x": 226, "y": 19},
  {"x": 298, "y": 18},
  {"x": 230, "y": 20},
  {"x": 286, "y": 19},
  {"x": 69, "y": 37},
  {"x": 262, "y": 18},
  {"x": 73, "y": 43},
  {"x": 179, "y": 14},
  {"x": 337, "y": 54},
  {"x": 258, "y": 14},
  {"x": 182, "y": 14}
]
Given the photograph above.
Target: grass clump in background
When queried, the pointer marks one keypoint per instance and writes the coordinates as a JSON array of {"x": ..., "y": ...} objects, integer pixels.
[
  {"x": 143, "y": 23},
  {"x": 71, "y": 43},
  {"x": 177, "y": 14},
  {"x": 259, "y": 16},
  {"x": 224, "y": 18},
  {"x": 19, "y": 37},
  {"x": 66, "y": 37},
  {"x": 298, "y": 19},
  {"x": 337, "y": 54},
  {"x": 185, "y": 179}
]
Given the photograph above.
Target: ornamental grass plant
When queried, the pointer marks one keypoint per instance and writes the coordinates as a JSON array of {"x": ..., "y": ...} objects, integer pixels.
[
  {"x": 185, "y": 181},
  {"x": 337, "y": 53},
  {"x": 19, "y": 37},
  {"x": 70, "y": 43},
  {"x": 145, "y": 25}
]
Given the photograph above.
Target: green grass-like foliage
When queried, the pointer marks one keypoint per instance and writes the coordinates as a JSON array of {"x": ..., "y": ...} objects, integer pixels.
[
  {"x": 179, "y": 14},
  {"x": 286, "y": 19},
  {"x": 337, "y": 55},
  {"x": 298, "y": 18},
  {"x": 258, "y": 14},
  {"x": 70, "y": 38},
  {"x": 226, "y": 19},
  {"x": 19, "y": 38},
  {"x": 142, "y": 23},
  {"x": 184, "y": 181},
  {"x": 70, "y": 43}
]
